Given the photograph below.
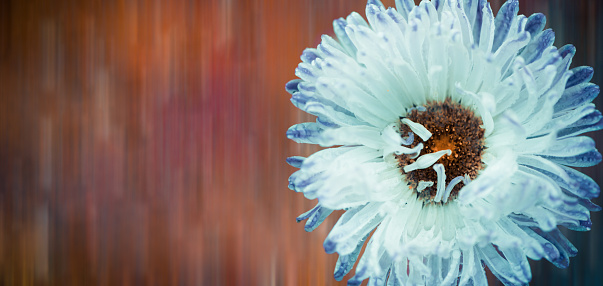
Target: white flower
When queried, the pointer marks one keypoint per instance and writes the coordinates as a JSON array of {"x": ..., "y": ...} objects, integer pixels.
[{"x": 455, "y": 131}]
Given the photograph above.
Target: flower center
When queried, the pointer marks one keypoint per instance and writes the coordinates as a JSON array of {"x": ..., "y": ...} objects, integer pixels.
[{"x": 456, "y": 128}]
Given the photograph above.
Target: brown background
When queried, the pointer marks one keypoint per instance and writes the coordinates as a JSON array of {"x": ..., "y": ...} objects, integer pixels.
[{"x": 142, "y": 142}]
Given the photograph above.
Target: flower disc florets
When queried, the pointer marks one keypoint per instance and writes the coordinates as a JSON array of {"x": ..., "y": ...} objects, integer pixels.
[{"x": 454, "y": 127}]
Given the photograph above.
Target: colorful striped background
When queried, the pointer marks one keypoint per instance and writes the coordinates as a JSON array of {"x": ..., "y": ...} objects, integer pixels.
[{"x": 143, "y": 142}]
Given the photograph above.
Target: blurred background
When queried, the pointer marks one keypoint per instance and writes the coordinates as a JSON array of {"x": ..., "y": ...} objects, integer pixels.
[{"x": 143, "y": 142}]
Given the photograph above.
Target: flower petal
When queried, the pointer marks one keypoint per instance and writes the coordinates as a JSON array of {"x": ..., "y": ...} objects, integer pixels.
[{"x": 315, "y": 217}]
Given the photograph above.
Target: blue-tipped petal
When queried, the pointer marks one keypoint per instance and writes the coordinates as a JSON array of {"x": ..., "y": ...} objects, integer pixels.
[
  {"x": 352, "y": 226},
  {"x": 535, "y": 49},
  {"x": 588, "y": 123},
  {"x": 304, "y": 132},
  {"x": 535, "y": 24},
  {"x": 304, "y": 72},
  {"x": 295, "y": 161},
  {"x": 567, "y": 53},
  {"x": 577, "y": 95},
  {"x": 309, "y": 213},
  {"x": 326, "y": 122},
  {"x": 552, "y": 251},
  {"x": 309, "y": 55},
  {"x": 371, "y": 14},
  {"x": 589, "y": 205},
  {"x": 576, "y": 225},
  {"x": 587, "y": 159},
  {"x": 519, "y": 263},
  {"x": 306, "y": 99},
  {"x": 565, "y": 248},
  {"x": 345, "y": 41},
  {"x": 376, "y": 3},
  {"x": 586, "y": 186},
  {"x": 315, "y": 217},
  {"x": 299, "y": 99},
  {"x": 329, "y": 246},
  {"x": 567, "y": 50},
  {"x": 503, "y": 22},
  {"x": 470, "y": 7},
  {"x": 587, "y": 120},
  {"x": 563, "y": 242},
  {"x": 291, "y": 86},
  {"x": 586, "y": 224},
  {"x": 573, "y": 216},
  {"x": 358, "y": 277},
  {"x": 501, "y": 267},
  {"x": 300, "y": 180},
  {"x": 570, "y": 146},
  {"x": 580, "y": 75},
  {"x": 331, "y": 48},
  {"x": 477, "y": 24},
  {"x": 438, "y": 3},
  {"x": 404, "y": 7},
  {"x": 345, "y": 263}
]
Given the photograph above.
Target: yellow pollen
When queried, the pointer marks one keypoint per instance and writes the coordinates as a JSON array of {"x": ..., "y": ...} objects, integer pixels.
[{"x": 443, "y": 143}]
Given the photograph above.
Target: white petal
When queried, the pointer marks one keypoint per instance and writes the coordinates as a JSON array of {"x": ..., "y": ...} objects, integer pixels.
[
  {"x": 439, "y": 168},
  {"x": 417, "y": 128},
  {"x": 426, "y": 160},
  {"x": 423, "y": 185}
]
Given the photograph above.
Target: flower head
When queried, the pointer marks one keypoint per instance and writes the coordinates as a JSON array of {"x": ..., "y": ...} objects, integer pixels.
[{"x": 456, "y": 132}]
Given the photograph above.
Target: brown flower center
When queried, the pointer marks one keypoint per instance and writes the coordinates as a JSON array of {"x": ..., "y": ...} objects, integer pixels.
[{"x": 453, "y": 127}]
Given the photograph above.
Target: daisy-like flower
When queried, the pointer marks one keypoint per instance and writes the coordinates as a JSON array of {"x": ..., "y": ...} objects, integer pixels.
[{"x": 453, "y": 132}]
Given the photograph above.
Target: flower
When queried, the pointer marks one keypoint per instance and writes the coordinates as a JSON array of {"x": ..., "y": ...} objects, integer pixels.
[{"x": 452, "y": 132}]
